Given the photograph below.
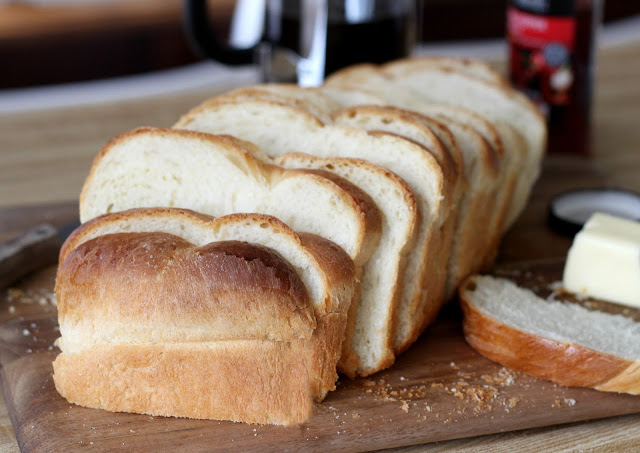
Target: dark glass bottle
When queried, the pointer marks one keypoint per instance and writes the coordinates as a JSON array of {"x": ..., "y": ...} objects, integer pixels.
[{"x": 551, "y": 50}]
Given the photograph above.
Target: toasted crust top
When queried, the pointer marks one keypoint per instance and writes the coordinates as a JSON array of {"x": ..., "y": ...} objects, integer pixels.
[
  {"x": 333, "y": 268},
  {"x": 157, "y": 287}
]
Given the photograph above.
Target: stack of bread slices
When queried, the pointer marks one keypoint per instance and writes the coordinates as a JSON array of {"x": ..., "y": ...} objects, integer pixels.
[{"x": 278, "y": 235}]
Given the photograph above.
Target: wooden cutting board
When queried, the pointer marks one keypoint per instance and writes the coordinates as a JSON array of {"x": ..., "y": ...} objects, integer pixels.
[{"x": 440, "y": 389}]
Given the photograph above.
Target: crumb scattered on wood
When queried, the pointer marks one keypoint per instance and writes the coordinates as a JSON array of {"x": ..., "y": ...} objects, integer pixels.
[
  {"x": 40, "y": 296},
  {"x": 472, "y": 393}
]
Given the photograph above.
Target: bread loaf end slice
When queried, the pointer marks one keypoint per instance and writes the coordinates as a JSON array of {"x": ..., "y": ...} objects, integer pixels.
[
  {"x": 561, "y": 342},
  {"x": 171, "y": 312}
]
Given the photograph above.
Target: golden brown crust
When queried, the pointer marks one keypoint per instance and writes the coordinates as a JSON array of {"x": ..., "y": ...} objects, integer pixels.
[
  {"x": 254, "y": 381},
  {"x": 337, "y": 267},
  {"x": 330, "y": 339},
  {"x": 331, "y": 263},
  {"x": 325, "y": 349},
  {"x": 157, "y": 287},
  {"x": 102, "y": 224},
  {"x": 624, "y": 382},
  {"x": 563, "y": 363}
]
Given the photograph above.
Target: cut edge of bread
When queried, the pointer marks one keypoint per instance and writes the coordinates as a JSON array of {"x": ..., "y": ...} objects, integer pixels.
[
  {"x": 560, "y": 360},
  {"x": 357, "y": 210}
]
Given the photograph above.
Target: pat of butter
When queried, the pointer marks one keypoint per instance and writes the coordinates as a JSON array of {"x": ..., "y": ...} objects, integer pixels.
[{"x": 604, "y": 260}]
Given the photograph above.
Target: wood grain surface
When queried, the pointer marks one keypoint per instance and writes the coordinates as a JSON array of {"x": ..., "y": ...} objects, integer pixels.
[{"x": 45, "y": 156}]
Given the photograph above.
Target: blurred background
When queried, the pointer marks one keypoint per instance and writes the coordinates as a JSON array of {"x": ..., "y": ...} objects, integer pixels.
[{"x": 45, "y": 42}]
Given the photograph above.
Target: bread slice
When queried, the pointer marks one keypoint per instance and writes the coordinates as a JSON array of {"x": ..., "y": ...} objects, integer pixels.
[
  {"x": 520, "y": 125},
  {"x": 469, "y": 66},
  {"x": 562, "y": 342},
  {"x": 215, "y": 175},
  {"x": 497, "y": 102},
  {"x": 312, "y": 100},
  {"x": 175, "y": 284},
  {"x": 491, "y": 176},
  {"x": 415, "y": 314},
  {"x": 350, "y": 96},
  {"x": 483, "y": 207},
  {"x": 382, "y": 277},
  {"x": 280, "y": 127}
]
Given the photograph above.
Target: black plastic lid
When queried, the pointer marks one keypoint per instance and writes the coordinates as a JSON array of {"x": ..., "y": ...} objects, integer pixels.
[{"x": 569, "y": 211}]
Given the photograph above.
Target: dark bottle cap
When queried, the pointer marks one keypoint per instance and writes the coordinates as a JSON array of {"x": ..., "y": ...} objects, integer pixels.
[{"x": 569, "y": 211}]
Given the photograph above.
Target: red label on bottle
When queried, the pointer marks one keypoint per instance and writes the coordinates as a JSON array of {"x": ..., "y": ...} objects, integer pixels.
[
  {"x": 531, "y": 30},
  {"x": 541, "y": 54}
]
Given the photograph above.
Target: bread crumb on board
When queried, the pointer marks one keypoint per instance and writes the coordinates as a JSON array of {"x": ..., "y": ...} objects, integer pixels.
[
  {"x": 473, "y": 394},
  {"x": 41, "y": 296},
  {"x": 564, "y": 402}
]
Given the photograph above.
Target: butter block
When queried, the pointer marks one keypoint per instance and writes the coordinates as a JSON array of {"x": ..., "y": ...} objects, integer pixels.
[{"x": 604, "y": 260}]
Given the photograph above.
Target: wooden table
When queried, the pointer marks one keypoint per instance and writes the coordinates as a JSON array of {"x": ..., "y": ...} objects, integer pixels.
[{"x": 45, "y": 156}]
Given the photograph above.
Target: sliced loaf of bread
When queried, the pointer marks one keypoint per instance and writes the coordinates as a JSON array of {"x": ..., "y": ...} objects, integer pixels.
[
  {"x": 414, "y": 314},
  {"x": 416, "y": 87},
  {"x": 220, "y": 175},
  {"x": 476, "y": 168},
  {"x": 140, "y": 288},
  {"x": 498, "y": 102},
  {"x": 282, "y": 127}
]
